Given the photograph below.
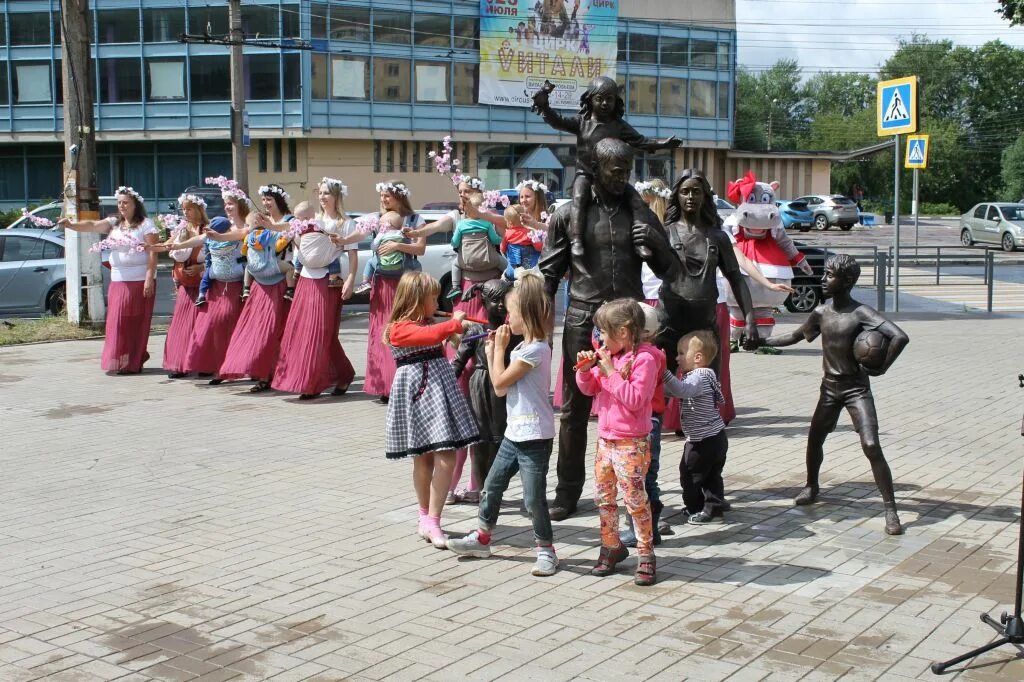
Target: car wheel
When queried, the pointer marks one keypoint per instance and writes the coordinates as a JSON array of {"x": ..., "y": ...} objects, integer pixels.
[
  {"x": 57, "y": 300},
  {"x": 846, "y": 228},
  {"x": 820, "y": 223},
  {"x": 1007, "y": 242},
  {"x": 965, "y": 237},
  {"x": 804, "y": 299},
  {"x": 443, "y": 302}
]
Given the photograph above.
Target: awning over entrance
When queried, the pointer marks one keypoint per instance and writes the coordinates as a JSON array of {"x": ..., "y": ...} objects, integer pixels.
[{"x": 540, "y": 158}]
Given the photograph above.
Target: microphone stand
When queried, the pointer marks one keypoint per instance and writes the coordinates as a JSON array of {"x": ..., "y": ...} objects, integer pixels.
[{"x": 1011, "y": 627}]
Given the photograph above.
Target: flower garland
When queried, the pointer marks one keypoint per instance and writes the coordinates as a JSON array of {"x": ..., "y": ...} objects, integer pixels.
[
  {"x": 495, "y": 197},
  {"x": 229, "y": 189},
  {"x": 298, "y": 227},
  {"x": 644, "y": 187},
  {"x": 538, "y": 187},
  {"x": 334, "y": 182},
  {"x": 393, "y": 188},
  {"x": 122, "y": 241},
  {"x": 37, "y": 220},
  {"x": 175, "y": 225},
  {"x": 129, "y": 192},
  {"x": 191, "y": 199},
  {"x": 368, "y": 224},
  {"x": 274, "y": 189},
  {"x": 445, "y": 163}
]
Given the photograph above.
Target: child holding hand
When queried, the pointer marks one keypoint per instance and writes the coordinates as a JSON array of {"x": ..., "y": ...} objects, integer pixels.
[{"x": 622, "y": 376}]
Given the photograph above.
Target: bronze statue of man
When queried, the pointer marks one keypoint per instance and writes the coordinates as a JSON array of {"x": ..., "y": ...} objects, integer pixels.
[
  {"x": 839, "y": 322},
  {"x": 608, "y": 268}
]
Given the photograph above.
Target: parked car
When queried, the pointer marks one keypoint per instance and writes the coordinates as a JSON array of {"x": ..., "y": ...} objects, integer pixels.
[
  {"x": 211, "y": 195},
  {"x": 52, "y": 211},
  {"x": 831, "y": 209},
  {"x": 795, "y": 213},
  {"x": 807, "y": 293},
  {"x": 1001, "y": 224},
  {"x": 725, "y": 209},
  {"x": 31, "y": 271}
]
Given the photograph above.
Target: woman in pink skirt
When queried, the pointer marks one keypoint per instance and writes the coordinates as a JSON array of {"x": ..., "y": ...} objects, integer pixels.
[
  {"x": 187, "y": 273},
  {"x": 380, "y": 363},
  {"x": 312, "y": 359},
  {"x": 217, "y": 317},
  {"x": 132, "y": 281}
]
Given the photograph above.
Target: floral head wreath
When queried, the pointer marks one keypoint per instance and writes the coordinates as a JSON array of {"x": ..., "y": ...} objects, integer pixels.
[
  {"x": 229, "y": 189},
  {"x": 191, "y": 199},
  {"x": 532, "y": 184},
  {"x": 333, "y": 183},
  {"x": 274, "y": 189},
  {"x": 393, "y": 188},
  {"x": 129, "y": 192},
  {"x": 649, "y": 188},
  {"x": 474, "y": 183}
]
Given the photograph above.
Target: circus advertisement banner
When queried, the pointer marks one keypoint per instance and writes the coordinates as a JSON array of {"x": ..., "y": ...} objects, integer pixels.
[{"x": 525, "y": 42}]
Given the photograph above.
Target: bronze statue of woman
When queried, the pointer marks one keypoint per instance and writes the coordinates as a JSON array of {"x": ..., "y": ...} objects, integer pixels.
[{"x": 689, "y": 300}]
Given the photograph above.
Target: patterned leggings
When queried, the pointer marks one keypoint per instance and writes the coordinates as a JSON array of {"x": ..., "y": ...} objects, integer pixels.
[{"x": 622, "y": 465}]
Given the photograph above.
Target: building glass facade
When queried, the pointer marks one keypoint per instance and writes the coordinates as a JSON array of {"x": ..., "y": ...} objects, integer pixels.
[{"x": 390, "y": 69}]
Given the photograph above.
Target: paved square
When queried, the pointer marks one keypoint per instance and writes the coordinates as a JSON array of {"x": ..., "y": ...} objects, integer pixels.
[{"x": 158, "y": 529}]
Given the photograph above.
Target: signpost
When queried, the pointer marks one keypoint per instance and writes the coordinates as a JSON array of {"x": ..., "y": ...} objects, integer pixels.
[
  {"x": 896, "y": 114},
  {"x": 916, "y": 158}
]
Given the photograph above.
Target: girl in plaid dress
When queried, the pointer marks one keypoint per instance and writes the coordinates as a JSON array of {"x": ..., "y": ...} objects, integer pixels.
[{"x": 428, "y": 416}]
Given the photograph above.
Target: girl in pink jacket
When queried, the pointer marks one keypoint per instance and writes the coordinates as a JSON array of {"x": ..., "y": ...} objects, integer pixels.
[{"x": 622, "y": 376}]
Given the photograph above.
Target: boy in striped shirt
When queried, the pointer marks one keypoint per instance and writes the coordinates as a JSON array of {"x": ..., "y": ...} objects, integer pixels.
[{"x": 700, "y": 469}]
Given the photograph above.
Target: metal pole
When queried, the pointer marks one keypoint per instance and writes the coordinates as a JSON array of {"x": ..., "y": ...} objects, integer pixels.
[
  {"x": 880, "y": 280},
  {"x": 990, "y": 267},
  {"x": 896, "y": 217},
  {"x": 239, "y": 164},
  {"x": 917, "y": 211}
]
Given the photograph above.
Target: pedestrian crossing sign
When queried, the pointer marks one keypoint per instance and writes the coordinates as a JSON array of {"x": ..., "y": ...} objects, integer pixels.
[
  {"x": 897, "y": 106},
  {"x": 917, "y": 152}
]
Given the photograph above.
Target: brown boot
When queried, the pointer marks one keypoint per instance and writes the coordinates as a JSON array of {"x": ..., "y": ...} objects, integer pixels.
[
  {"x": 645, "y": 570},
  {"x": 608, "y": 559}
]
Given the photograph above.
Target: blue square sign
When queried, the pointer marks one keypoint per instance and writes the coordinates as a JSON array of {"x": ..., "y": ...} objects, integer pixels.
[{"x": 897, "y": 106}]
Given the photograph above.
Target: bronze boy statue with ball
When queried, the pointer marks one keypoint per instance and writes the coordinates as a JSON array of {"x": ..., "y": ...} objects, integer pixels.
[{"x": 856, "y": 342}]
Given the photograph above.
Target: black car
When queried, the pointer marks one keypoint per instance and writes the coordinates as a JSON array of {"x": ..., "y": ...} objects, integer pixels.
[
  {"x": 807, "y": 288},
  {"x": 212, "y": 197}
]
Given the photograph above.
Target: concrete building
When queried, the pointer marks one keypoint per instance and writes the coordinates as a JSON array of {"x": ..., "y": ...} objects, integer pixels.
[{"x": 387, "y": 79}]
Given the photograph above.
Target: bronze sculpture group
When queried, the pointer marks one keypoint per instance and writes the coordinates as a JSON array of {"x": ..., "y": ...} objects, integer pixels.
[{"x": 602, "y": 239}]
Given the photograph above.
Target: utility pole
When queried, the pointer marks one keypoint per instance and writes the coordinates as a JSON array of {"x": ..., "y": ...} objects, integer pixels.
[
  {"x": 239, "y": 164},
  {"x": 83, "y": 271}
]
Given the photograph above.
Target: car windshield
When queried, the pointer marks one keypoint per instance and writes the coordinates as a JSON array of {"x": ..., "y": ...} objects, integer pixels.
[
  {"x": 1014, "y": 213},
  {"x": 843, "y": 200}
]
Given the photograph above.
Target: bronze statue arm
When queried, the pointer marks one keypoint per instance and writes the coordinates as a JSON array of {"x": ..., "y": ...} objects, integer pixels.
[
  {"x": 898, "y": 340},
  {"x": 808, "y": 331}
]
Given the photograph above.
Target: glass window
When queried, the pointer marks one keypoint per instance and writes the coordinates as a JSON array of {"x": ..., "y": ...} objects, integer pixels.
[
  {"x": 702, "y": 99},
  {"x": 391, "y": 27},
  {"x": 391, "y": 156},
  {"x": 318, "y": 63},
  {"x": 318, "y": 20},
  {"x": 137, "y": 170},
  {"x": 12, "y": 173},
  {"x": 30, "y": 28},
  {"x": 56, "y": 85},
  {"x": 292, "y": 76},
  {"x": 165, "y": 79},
  {"x": 52, "y": 251},
  {"x": 723, "y": 100},
  {"x": 293, "y": 155},
  {"x": 212, "y": 20},
  {"x": 623, "y": 47},
  {"x": 22, "y": 248},
  {"x": 391, "y": 80},
  {"x": 120, "y": 80},
  {"x": 261, "y": 156},
  {"x": 290, "y": 21},
  {"x": 376, "y": 156},
  {"x": 32, "y": 82},
  {"x": 467, "y": 33},
  {"x": 431, "y": 82},
  {"x": 44, "y": 176},
  {"x": 163, "y": 25},
  {"x": 3, "y": 30},
  {"x": 643, "y": 94},
  {"x": 643, "y": 49},
  {"x": 260, "y": 20},
  {"x": 215, "y": 164},
  {"x": 673, "y": 97},
  {"x": 118, "y": 25},
  {"x": 210, "y": 79},
  {"x": 466, "y": 76},
  {"x": 674, "y": 51},
  {"x": 277, "y": 155},
  {"x": 415, "y": 157},
  {"x": 433, "y": 30},
  {"x": 3, "y": 90},
  {"x": 704, "y": 54},
  {"x": 263, "y": 76},
  {"x": 176, "y": 173},
  {"x": 350, "y": 78},
  {"x": 723, "y": 57},
  {"x": 350, "y": 23},
  {"x": 403, "y": 152}
]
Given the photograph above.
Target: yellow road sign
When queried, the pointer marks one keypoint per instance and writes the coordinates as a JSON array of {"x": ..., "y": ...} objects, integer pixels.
[
  {"x": 917, "y": 152},
  {"x": 897, "y": 106}
]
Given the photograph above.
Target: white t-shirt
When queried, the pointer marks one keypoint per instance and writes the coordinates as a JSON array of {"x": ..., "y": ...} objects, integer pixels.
[
  {"x": 530, "y": 416},
  {"x": 129, "y": 266},
  {"x": 650, "y": 282},
  {"x": 344, "y": 229}
]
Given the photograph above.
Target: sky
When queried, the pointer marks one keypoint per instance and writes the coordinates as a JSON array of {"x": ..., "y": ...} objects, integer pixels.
[{"x": 858, "y": 35}]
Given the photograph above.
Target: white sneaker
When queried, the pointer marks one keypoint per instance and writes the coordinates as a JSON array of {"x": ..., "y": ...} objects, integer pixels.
[
  {"x": 547, "y": 562},
  {"x": 470, "y": 546}
]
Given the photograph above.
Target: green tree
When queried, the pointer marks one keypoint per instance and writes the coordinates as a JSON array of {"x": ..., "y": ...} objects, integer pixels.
[
  {"x": 1013, "y": 170},
  {"x": 1012, "y": 11},
  {"x": 846, "y": 94},
  {"x": 772, "y": 94}
]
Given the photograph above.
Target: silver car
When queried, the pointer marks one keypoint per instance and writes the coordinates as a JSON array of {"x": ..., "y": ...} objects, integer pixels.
[
  {"x": 1001, "y": 224},
  {"x": 52, "y": 212},
  {"x": 832, "y": 209},
  {"x": 31, "y": 271}
]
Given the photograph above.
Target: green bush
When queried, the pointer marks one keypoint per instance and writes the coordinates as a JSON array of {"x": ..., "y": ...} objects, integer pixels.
[
  {"x": 8, "y": 217},
  {"x": 939, "y": 209}
]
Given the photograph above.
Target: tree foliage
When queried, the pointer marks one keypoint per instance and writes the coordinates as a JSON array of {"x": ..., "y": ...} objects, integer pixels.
[
  {"x": 1012, "y": 11},
  {"x": 1013, "y": 170}
]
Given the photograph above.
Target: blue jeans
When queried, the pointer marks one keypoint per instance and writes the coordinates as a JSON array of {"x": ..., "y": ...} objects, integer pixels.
[
  {"x": 530, "y": 459},
  {"x": 651, "y": 480},
  {"x": 204, "y": 283},
  {"x": 520, "y": 256}
]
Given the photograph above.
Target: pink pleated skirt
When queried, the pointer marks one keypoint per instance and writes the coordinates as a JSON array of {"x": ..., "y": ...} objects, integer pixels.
[
  {"x": 129, "y": 315},
  {"x": 214, "y": 325},
  {"x": 312, "y": 359},
  {"x": 727, "y": 410},
  {"x": 380, "y": 364},
  {"x": 256, "y": 342},
  {"x": 179, "y": 334}
]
